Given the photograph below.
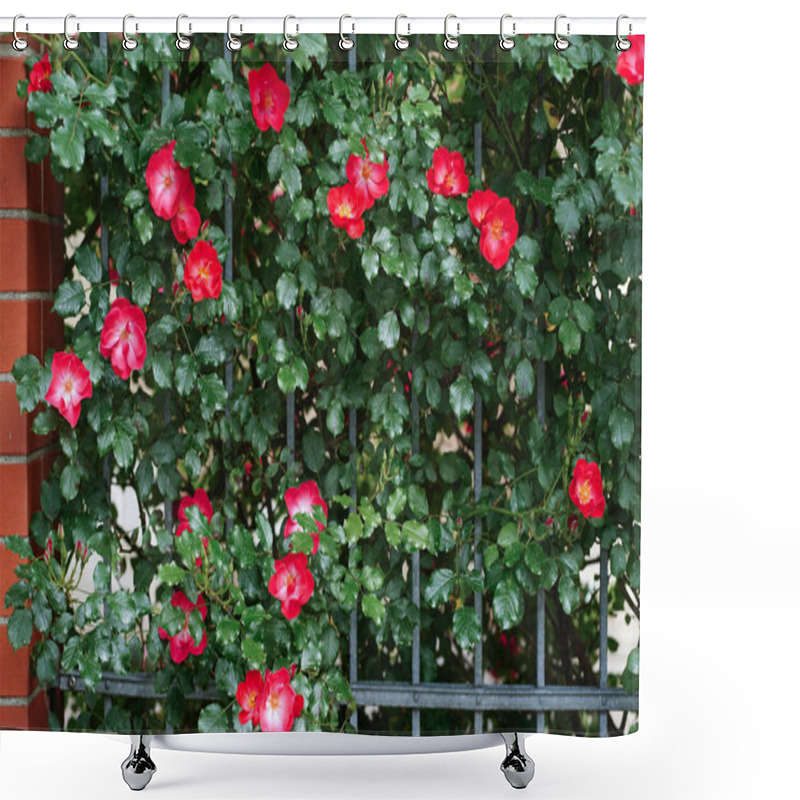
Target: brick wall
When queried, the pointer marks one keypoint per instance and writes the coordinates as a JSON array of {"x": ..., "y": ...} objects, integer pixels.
[{"x": 31, "y": 266}]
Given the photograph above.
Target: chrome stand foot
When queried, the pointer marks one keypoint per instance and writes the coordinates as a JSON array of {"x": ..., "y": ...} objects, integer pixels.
[
  {"x": 138, "y": 768},
  {"x": 517, "y": 766}
]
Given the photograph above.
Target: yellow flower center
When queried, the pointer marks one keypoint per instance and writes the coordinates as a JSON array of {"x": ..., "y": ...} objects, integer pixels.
[
  {"x": 344, "y": 210},
  {"x": 366, "y": 171},
  {"x": 290, "y": 580},
  {"x": 584, "y": 492},
  {"x": 496, "y": 227},
  {"x": 168, "y": 180},
  {"x": 274, "y": 700}
]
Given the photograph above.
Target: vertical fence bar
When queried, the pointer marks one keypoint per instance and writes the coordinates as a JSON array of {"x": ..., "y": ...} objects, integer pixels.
[
  {"x": 104, "y": 262},
  {"x": 353, "y": 432},
  {"x": 290, "y": 428},
  {"x": 229, "y": 279},
  {"x": 415, "y": 643},
  {"x": 603, "y": 715},
  {"x": 540, "y": 410},
  {"x": 478, "y": 468},
  {"x": 165, "y": 89}
]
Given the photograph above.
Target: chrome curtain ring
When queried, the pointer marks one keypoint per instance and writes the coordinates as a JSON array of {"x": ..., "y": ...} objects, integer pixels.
[
  {"x": 19, "y": 44},
  {"x": 181, "y": 41},
  {"x": 233, "y": 44},
  {"x": 127, "y": 42},
  {"x": 400, "y": 42},
  {"x": 289, "y": 44},
  {"x": 623, "y": 44},
  {"x": 70, "y": 42},
  {"x": 561, "y": 43},
  {"x": 345, "y": 42},
  {"x": 451, "y": 42},
  {"x": 506, "y": 42}
]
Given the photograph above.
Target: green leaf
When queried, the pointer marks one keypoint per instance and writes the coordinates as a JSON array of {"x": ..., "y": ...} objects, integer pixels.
[
  {"x": 42, "y": 614},
  {"x": 389, "y": 330},
  {"x": 630, "y": 675},
  {"x": 570, "y": 337},
  {"x": 534, "y": 557},
  {"x": 567, "y": 216},
  {"x": 69, "y": 299},
  {"x": 171, "y": 574},
  {"x": 526, "y": 278},
  {"x": 439, "y": 586},
  {"x": 418, "y": 501},
  {"x": 313, "y": 450},
  {"x": 584, "y": 315},
  {"x": 69, "y": 482},
  {"x": 253, "y": 651},
  {"x": 123, "y": 449},
  {"x": 213, "y": 392},
  {"x": 620, "y": 426},
  {"x": 353, "y": 528},
  {"x": 286, "y": 290},
  {"x": 396, "y": 503},
  {"x": 19, "y": 545},
  {"x": 373, "y": 608},
  {"x": 161, "y": 364},
  {"x": 227, "y": 631},
  {"x": 619, "y": 560},
  {"x": 568, "y": 593},
  {"x": 36, "y": 148},
  {"x": 508, "y": 604},
  {"x": 32, "y": 382},
  {"x": 372, "y": 578},
  {"x": 67, "y": 143},
  {"x": 462, "y": 397},
  {"x": 523, "y": 379},
  {"x": 213, "y": 719},
  {"x": 415, "y": 534},
  {"x": 242, "y": 546},
  {"x": 466, "y": 627},
  {"x": 508, "y": 535},
  {"x": 143, "y": 222}
]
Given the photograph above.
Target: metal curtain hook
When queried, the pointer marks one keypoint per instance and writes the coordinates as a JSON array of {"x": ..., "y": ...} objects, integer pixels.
[
  {"x": 289, "y": 44},
  {"x": 451, "y": 42},
  {"x": 70, "y": 42},
  {"x": 623, "y": 44},
  {"x": 400, "y": 42},
  {"x": 19, "y": 43},
  {"x": 345, "y": 42},
  {"x": 182, "y": 42},
  {"x": 506, "y": 42},
  {"x": 233, "y": 44},
  {"x": 127, "y": 42},
  {"x": 561, "y": 43}
]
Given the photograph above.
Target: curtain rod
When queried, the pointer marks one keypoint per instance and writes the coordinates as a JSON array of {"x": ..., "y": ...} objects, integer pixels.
[{"x": 406, "y": 26}]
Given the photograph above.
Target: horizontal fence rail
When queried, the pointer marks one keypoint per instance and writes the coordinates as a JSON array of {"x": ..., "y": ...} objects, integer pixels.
[{"x": 451, "y": 696}]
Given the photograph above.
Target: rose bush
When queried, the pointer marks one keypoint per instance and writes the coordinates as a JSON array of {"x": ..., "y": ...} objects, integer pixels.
[{"x": 521, "y": 285}]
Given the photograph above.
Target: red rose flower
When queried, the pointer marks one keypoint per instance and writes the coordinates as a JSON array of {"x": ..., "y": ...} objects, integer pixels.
[
  {"x": 183, "y": 645},
  {"x": 40, "y": 75},
  {"x": 301, "y": 500},
  {"x": 166, "y": 180},
  {"x": 292, "y": 583},
  {"x": 248, "y": 694},
  {"x": 203, "y": 272},
  {"x": 122, "y": 339},
  {"x": 480, "y": 204},
  {"x": 278, "y": 705},
  {"x": 186, "y": 222},
  {"x": 586, "y": 489},
  {"x": 499, "y": 232},
  {"x": 630, "y": 64},
  {"x": 346, "y": 206},
  {"x": 113, "y": 275},
  {"x": 69, "y": 385},
  {"x": 269, "y": 96},
  {"x": 368, "y": 178},
  {"x": 199, "y": 499},
  {"x": 448, "y": 176}
]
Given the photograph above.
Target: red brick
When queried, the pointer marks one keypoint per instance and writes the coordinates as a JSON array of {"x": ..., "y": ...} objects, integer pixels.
[
  {"x": 13, "y": 110},
  {"x": 8, "y": 563},
  {"x": 27, "y": 257},
  {"x": 16, "y": 437},
  {"x": 13, "y": 173},
  {"x": 56, "y": 233},
  {"x": 53, "y": 192},
  {"x": 21, "y": 328},
  {"x": 52, "y": 328},
  {"x": 19, "y": 497},
  {"x": 15, "y": 669},
  {"x": 28, "y": 718},
  {"x": 35, "y": 176}
]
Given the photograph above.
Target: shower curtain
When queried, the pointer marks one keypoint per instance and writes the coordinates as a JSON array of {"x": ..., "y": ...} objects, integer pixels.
[{"x": 346, "y": 421}]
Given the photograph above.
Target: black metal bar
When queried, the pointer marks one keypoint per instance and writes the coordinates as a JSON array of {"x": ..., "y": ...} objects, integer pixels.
[
  {"x": 290, "y": 413},
  {"x": 464, "y": 697},
  {"x": 603, "y": 720}
]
